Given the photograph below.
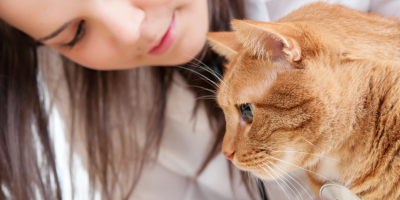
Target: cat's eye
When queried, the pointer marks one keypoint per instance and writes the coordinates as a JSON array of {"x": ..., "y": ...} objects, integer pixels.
[{"x": 246, "y": 110}]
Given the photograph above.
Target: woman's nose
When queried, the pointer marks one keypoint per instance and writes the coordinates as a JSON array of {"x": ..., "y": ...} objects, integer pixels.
[{"x": 122, "y": 21}]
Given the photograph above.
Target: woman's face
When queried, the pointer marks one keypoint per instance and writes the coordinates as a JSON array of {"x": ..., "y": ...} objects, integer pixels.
[{"x": 114, "y": 34}]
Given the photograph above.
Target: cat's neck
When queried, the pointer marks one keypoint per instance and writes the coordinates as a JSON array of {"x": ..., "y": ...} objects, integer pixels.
[
  {"x": 369, "y": 94},
  {"x": 364, "y": 98}
]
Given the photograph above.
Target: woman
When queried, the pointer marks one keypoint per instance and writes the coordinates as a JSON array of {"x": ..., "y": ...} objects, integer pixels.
[{"x": 139, "y": 132}]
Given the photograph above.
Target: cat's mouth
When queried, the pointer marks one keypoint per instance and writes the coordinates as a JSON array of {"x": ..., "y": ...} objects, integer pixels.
[
  {"x": 255, "y": 165},
  {"x": 265, "y": 167}
]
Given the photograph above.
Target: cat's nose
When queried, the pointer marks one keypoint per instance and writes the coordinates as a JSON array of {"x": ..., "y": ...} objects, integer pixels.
[
  {"x": 229, "y": 155},
  {"x": 229, "y": 145}
]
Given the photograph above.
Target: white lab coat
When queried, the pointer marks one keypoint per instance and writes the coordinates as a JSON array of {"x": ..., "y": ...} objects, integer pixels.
[{"x": 186, "y": 140}]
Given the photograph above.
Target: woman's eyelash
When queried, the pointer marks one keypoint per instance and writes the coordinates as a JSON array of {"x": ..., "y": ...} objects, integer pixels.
[{"x": 78, "y": 35}]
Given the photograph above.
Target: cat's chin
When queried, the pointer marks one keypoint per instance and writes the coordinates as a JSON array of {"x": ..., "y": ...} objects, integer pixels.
[
  {"x": 267, "y": 173},
  {"x": 266, "y": 176}
]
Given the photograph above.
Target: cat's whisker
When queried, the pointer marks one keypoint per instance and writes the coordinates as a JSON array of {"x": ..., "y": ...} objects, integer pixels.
[
  {"x": 293, "y": 174},
  {"x": 301, "y": 168},
  {"x": 212, "y": 91},
  {"x": 313, "y": 155},
  {"x": 211, "y": 97},
  {"x": 208, "y": 69},
  {"x": 274, "y": 180},
  {"x": 294, "y": 151},
  {"x": 252, "y": 177},
  {"x": 281, "y": 177},
  {"x": 258, "y": 180},
  {"x": 289, "y": 181},
  {"x": 216, "y": 105},
  {"x": 313, "y": 145},
  {"x": 196, "y": 65},
  {"x": 201, "y": 75},
  {"x": 280, "y": 168}
]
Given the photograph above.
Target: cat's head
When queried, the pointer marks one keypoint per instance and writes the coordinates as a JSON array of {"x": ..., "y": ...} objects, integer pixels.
[{"x": 275, "y": 97}]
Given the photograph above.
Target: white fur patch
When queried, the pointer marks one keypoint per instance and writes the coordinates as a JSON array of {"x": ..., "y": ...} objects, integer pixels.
[{"x": 329, "y": 168}]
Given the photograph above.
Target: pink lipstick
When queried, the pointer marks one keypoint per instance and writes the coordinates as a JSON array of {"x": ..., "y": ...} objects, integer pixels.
[{"x": 166, "y": 41}]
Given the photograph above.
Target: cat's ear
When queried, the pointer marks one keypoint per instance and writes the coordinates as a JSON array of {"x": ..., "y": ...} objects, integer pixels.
[
  {"x": 265, "y": 37},
  {"x": 224, "y": 43}
]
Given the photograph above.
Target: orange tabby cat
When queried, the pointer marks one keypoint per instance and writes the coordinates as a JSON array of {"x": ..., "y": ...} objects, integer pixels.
[{"x": 320, "y": 90}]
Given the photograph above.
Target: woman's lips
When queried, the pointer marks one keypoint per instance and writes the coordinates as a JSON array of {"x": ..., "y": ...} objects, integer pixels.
[{"x": 166, "y": 41}]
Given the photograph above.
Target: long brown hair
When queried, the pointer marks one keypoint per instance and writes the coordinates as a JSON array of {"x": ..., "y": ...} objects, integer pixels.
[
  {"x": 97, "y": 98},
  {"x": 27, "y": 168}
]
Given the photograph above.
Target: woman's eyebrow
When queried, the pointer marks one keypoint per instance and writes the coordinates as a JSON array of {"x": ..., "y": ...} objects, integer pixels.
[{"x": 55, "y": 33}]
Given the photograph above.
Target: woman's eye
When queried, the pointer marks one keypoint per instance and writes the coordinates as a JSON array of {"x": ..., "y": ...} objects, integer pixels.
[
  {"x": 246, "y": 110},
  {"x": 78, "y": 35}
]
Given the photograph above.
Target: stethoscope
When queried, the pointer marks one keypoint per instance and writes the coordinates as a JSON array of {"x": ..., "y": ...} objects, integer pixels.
[
  {"x": 333, "y": 191},
  {"x": 329, "y": 191}
]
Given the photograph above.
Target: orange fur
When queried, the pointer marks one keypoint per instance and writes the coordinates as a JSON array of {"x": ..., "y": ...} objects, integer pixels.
[{"x": 325, "y": 84}]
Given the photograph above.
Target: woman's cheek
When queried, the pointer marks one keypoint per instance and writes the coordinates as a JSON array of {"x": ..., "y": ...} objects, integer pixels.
[{"x": 95, "y": 54}]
